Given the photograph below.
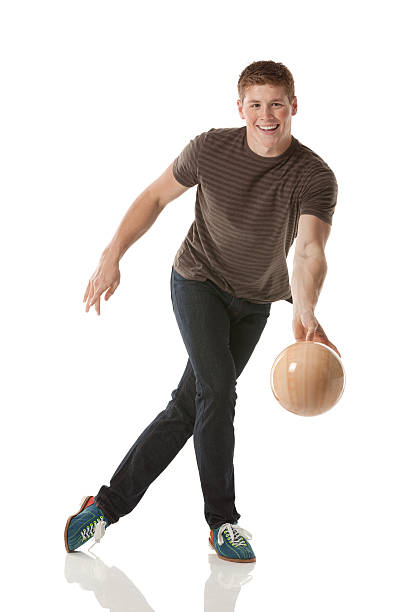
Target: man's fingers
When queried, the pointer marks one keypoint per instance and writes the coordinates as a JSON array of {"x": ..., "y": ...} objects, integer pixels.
[
  {"x": 310, "y": 334},
  {"x": 88, "y": 303},
  {"x": 90, "y": 292},
  {"x": 94, "y": 292},
  {"x": 331, "y": 345},
  {"x": 86, "y": 292},
  {"x": 95, "y": 299},
  {"x": 109, "y": 293},
  {"x": 335, "y": 349},
  {"x": 91, "y": 301},
  {"x": 111, "y": 290}
]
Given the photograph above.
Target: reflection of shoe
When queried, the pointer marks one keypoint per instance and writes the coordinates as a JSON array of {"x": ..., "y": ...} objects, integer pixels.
[
  {"x": 87, "y": 523},
  {"x": 90, "y": 572},
  {"x": 111, "y": 587},
  {"x": 228, "y": 576},
  {"x": 230, "y": 543}
]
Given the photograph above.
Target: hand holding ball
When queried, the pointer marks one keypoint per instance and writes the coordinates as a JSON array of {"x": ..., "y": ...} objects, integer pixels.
[{"x": 307, "y": 378}]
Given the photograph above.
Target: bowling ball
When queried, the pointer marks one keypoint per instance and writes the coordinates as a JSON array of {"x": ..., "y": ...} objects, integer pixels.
[{"x": 307, "y": 378}]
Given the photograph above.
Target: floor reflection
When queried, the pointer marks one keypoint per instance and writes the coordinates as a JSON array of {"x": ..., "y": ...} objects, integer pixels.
[
  {"x": 114, "y": 590},
  {"x": 224, "y": 584}
]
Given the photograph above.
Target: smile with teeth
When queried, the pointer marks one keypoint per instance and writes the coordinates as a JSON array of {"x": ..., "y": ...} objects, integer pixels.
[{"x": 268, "y": 128}]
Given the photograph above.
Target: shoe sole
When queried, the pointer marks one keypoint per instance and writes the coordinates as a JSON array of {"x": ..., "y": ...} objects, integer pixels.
[
  {"x": 84, "y": 501},
  {"x": 228, "y": 559}
]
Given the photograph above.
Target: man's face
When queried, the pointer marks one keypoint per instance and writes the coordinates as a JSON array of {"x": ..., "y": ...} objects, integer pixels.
[{"x": 267, "y": 105}]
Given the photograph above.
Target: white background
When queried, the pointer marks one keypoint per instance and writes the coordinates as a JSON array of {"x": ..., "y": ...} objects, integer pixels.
[{"x": 97, "y": 100}]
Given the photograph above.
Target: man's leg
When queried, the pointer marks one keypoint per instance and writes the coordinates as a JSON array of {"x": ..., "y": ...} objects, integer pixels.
[
  {"x": 160, "y": 442},
  {"x": 152, "y": 452},
  {"x": 211, "y": 321}
]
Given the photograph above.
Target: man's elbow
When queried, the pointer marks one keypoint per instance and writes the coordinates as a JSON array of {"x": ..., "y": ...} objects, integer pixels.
[{"x": 313, "y": 249}]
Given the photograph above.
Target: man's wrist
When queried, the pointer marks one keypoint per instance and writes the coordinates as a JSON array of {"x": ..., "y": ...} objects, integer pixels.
[
  {"x": 112, "y": 252},
  {"x": 302, "y": 310}
]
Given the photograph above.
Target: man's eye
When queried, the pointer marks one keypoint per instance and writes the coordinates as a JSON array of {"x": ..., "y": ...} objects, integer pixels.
[{"x": 273, "y": 103}]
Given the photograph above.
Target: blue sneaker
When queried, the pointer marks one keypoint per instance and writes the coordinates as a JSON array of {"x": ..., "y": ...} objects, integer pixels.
[
  {"x": 230, "y": 543},
  {"x": 89, "y": 522}
]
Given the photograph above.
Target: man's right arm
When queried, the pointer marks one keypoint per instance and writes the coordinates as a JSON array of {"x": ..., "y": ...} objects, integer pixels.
[
  {"x": 144, "y": 212},
  {"x": 138, "y": 219}
]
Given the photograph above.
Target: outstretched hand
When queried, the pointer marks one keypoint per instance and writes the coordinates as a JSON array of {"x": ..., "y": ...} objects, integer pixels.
[
  {"x": 105, "y": 278},
  {"x": 307, "y": 327}
]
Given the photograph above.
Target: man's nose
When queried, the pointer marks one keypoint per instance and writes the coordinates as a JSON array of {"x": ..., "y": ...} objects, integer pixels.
[{"x": 268, "y": 114}]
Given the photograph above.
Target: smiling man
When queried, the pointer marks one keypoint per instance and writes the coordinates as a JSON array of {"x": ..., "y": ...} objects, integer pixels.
[
  {"x": 268, "y": 111},
  {"x": 258, "y": 188}
]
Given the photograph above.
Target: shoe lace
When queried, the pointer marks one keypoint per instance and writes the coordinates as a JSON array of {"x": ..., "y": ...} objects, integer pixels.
[
  {"x": 236, "y": 534},
  {"x": 96, "y": 529}
]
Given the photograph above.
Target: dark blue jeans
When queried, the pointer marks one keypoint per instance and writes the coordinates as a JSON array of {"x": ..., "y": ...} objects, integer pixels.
[{"x": 220, "y": 332}]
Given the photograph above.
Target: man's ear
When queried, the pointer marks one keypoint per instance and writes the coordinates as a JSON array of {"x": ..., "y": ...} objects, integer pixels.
[{"x": 239, "y": 104}]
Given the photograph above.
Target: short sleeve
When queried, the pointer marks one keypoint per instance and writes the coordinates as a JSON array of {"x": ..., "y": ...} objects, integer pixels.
[
  {"x": 319, "y": 194},
  {"x": 186, "y": 165}
]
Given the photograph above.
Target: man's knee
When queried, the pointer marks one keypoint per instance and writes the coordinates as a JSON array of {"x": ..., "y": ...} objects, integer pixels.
[{"x": 220, "y": 390}]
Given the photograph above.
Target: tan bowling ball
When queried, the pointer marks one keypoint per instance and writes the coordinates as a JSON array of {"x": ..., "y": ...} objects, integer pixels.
[{"x": 307, "y": 378}]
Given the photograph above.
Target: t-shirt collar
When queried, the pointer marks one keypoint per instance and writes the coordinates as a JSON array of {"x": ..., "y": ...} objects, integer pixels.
[{"x": 268, "y": 160}]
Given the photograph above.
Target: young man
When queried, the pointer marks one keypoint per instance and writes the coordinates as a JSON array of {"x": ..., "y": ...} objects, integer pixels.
[{"x": 258, "y": 188}]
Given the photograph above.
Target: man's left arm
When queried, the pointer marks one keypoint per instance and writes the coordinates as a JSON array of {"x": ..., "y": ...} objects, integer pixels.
[{"x": 309, "y": 272}]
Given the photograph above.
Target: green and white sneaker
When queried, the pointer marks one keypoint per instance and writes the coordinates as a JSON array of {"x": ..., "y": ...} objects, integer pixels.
[
  {"x": 230, "y": 542},
  {"x": 89, "y": 522}
]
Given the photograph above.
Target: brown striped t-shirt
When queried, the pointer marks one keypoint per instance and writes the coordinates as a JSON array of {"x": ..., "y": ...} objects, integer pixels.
[{"x": 247, "y": 210}]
